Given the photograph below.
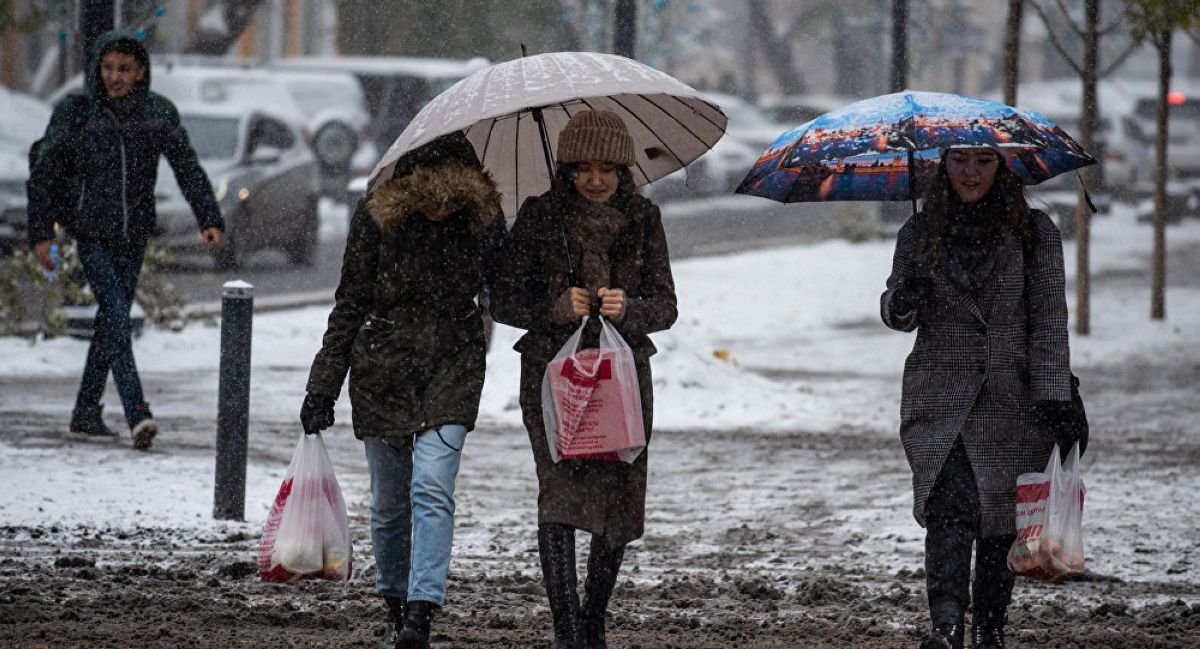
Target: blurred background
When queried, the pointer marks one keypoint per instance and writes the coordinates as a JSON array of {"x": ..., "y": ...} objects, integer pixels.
[{"x": 292, "y": 102}]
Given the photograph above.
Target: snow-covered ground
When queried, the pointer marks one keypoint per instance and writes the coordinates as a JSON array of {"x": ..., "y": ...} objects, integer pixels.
[{"x": 768, "y": 342}]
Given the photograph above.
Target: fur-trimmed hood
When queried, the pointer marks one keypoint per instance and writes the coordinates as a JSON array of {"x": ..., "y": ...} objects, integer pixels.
[{"x": 461, "y": 187}]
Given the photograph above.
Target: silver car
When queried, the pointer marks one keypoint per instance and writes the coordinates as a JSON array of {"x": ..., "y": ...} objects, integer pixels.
[{"x": 265, "y": 178}]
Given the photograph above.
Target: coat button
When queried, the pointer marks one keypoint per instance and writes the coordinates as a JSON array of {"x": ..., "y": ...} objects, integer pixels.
[
  {"x": 983, "y": 369},
  {"x": 983, "y": 329}
]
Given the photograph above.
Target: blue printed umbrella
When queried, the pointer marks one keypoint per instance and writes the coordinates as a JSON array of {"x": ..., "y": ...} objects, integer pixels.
[{"x": 863, "y": 152}]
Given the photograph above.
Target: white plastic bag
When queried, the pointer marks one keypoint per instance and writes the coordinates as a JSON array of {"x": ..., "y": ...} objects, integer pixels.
[
  {"x": 307, "y": 533},
  {"x": 1049, "y": 545},
  {"x": 591, "y": 401}
]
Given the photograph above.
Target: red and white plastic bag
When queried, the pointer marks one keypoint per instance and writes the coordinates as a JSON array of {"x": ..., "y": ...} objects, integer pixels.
[
  {"x": 1049, "y": 545},
  {"x": 307, "y": 533},
  {"x": 591, "y": 402}
]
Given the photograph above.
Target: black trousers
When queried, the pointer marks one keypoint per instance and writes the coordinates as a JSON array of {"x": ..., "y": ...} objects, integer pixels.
[{"x": 952, "y": 531}]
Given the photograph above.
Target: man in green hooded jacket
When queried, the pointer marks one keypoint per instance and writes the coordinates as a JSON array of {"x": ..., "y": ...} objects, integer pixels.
[{"x": 94, "y": 173}]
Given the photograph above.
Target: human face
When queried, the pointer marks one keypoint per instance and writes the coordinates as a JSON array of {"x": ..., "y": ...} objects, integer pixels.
[
  {"x": 972, "y": 172},
  {"x": 120, "y": 73},
  {"x": 596, "y": 180}
]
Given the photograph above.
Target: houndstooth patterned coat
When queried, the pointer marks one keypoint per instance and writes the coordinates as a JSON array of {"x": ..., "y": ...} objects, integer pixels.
[{"x": 978, "y": 363}]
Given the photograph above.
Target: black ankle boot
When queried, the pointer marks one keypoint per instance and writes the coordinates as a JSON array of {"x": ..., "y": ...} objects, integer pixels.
[
  {"x": 395, "y": 617},
  {"x": 944, "y": 636},
  {"x": 556, "y": 548},
  {"x": 88, "y": 423},
  {"x": 418, "y": 617},
  {"x": 604, "y": 563},
  {"x": 987, "y": 637}
]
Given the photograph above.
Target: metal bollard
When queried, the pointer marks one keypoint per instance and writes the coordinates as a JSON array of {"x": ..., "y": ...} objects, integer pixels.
[{"x": 233, "y": 400}]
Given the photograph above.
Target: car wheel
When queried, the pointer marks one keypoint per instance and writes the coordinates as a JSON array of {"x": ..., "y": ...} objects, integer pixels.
[{"x": 303, "y": 249}]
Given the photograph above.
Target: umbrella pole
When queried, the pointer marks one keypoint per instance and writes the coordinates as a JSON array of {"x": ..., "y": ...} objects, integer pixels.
[
  {"x": 545, "y": 138},
  {"x": 912, "y": 182}
]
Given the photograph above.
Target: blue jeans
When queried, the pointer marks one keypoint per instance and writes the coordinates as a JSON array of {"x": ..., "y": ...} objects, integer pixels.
[
  {"x": 112, "y": 271},
  {"x": 412, "y": 511}
]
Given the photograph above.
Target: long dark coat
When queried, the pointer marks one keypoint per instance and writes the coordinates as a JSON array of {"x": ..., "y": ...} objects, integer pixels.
[
  {"x": 406, "y": 323},
  {"x": 605, "y": 498},
  {"x": 978, "y": 363}
]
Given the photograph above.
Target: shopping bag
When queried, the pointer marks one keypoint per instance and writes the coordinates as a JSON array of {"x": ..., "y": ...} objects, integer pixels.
[
  {"x": 307, "y": 533},
  {"x": 1049, "y": 545},
  {"x": 591, "y": 401}
]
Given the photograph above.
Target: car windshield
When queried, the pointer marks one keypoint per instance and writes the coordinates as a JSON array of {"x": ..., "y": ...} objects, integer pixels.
[{"x": 212, "y": 137}]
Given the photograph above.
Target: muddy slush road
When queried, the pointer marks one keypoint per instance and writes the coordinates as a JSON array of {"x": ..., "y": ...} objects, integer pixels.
[
  {"x": 729, "y": 561},
  {"x": 798, "y": 540}
]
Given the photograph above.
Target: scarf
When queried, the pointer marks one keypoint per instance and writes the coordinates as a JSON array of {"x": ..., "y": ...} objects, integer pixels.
[{"x": 975, "y": 241}]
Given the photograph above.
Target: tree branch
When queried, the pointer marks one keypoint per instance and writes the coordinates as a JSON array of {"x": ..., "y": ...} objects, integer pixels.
[
  {"x": 1111, "y": 28},
  {"x": 1054, "y": 39},
  {"x": 1067, "y": 15},
  {"x": 1119, "y": 60}
]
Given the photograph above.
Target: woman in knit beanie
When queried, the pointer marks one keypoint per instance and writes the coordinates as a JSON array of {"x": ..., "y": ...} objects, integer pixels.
[{"x": 589, "y": 246}]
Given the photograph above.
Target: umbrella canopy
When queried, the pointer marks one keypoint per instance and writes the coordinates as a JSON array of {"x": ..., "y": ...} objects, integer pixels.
[
  {"x": 863, "y": 152},
  {"x": 495, "y": 107}
]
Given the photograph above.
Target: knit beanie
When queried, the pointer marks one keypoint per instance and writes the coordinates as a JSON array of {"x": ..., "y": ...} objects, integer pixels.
[{"x": 596, "y": 135}]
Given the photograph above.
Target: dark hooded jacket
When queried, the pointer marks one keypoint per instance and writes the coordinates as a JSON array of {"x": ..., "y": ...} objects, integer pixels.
[
  {"x": 106, "y": 161},
  {"x": 406, "y": 324}
]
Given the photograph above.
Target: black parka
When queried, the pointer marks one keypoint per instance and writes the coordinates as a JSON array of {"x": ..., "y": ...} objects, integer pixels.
[
  {"x": 114, "y": 160},
  {"x": 406, "y": 324}
]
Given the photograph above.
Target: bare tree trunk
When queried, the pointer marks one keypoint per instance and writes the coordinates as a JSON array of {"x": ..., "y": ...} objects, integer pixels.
[
  {"x": 625, "y": 28},
  {"x": 1012, "y": 50},
  {"x": 1087, "y": 128},
  {"x": 899, "y": 79},
  {"x": 233, "y": 16},
  {"x": 778, "y": 51},
  {"x": 1158, "y": 284}
]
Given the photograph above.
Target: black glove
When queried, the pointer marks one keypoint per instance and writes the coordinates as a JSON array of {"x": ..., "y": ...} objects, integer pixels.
[
  {"x": 316, "y": 413},
  {"x": 911, "y": 293},
  {"x": 1063, "y": 420}
]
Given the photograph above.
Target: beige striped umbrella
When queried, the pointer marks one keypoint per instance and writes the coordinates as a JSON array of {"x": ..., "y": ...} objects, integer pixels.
[{"x": 497, "y": 108}]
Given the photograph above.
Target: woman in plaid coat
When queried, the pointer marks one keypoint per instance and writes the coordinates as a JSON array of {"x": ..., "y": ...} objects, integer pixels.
[{"x": 979, "y": 276}]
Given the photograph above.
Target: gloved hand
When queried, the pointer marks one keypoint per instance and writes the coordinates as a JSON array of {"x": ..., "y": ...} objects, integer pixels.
[
  {"x": 1062, "y": 419},
  {"x": 316, "y": 413},
  {"x": 911, "y": 293}
]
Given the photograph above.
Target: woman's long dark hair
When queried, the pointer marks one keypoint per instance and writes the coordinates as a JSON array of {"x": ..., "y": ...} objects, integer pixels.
[{"x": 1006, "y": 196}]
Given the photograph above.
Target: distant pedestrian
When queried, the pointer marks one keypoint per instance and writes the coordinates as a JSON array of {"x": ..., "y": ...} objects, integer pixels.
[
  {"x": 987, "y": 387},
  {"x": 94, "y": 174},
  {"x": 407, "y": 327},
  {"x": 591, "y": 215}
]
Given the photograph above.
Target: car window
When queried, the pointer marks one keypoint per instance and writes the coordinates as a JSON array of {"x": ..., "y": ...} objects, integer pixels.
[
  {"x": 265, "y": 131},
  {"x": 212, "y": 137}
]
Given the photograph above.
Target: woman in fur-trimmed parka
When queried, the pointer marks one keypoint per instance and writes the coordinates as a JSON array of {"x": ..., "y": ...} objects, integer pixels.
[{"x": 407, "y": 326}]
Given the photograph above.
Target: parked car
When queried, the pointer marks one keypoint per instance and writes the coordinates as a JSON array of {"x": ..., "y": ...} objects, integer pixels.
[
  {"x": 1183, "y": 134},
  {"x": 396, "y": 88},
  {"x": 747, "y": 122},
  {"x": 327, "y": 108},
  {"x": 266, "y": 181}
]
